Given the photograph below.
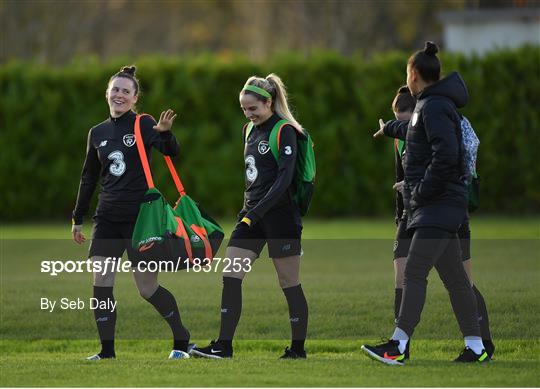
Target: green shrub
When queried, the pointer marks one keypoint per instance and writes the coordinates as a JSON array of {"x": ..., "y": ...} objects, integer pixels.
[{"x": 47, "y": 112}]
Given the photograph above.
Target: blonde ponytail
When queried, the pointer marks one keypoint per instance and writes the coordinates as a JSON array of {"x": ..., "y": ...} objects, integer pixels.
[
  {"x": 273, "y": 85},
  {"x": 281, "y": 105}
]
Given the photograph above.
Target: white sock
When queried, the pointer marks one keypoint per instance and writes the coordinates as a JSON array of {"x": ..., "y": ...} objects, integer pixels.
[
  {"x": 402, "y": 337},
  {"x": 475, "y": 344}
]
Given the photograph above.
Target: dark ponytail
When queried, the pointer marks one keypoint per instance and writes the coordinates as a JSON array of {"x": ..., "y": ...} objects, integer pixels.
[
  {"x": 404, "y": 100},
  {"x": 128, "y": 72},
  {"x": 431, "y": 48},
  {"x": 426, "y": 62}
]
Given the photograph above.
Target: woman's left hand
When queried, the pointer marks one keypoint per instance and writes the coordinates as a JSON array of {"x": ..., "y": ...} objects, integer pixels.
[
  {"x": 166, "y": 120},
  {"x": 379, "y": 133}
]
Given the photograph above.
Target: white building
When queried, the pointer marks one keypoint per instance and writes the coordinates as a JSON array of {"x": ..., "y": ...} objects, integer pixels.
[{"x": 481, "y": 30}]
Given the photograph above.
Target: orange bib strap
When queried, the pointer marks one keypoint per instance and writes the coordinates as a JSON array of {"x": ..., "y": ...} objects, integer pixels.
[
  {"x": 146, "y": 165},
  {"x": 174, "y": 175},
  {"x": 142, "y": 152}
]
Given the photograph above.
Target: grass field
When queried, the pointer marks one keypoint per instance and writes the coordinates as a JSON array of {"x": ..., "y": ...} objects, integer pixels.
[{"x": 348, "y": 281}]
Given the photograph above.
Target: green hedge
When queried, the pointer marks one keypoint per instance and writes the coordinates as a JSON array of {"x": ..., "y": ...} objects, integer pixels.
[{"x": 46, "y": 113}]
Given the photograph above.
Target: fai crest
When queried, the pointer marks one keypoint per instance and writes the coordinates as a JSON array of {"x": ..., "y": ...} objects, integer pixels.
[
  {"x": 129, "y": 140},
  {"x": 263, "y": 147}
]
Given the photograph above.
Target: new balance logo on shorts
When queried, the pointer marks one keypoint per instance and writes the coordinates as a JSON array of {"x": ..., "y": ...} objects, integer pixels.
[
  {"x": 286, "y": 247},
  {"x": 104, "y": 318}
]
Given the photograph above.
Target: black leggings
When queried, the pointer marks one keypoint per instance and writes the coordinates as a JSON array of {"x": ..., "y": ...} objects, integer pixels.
[{"x": 436, "y": 247}]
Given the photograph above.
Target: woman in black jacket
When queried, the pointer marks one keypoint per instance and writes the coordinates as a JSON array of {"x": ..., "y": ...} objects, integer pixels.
[
  {"x": 435, "y": 199},
  {"x": 403, "y": 106}
]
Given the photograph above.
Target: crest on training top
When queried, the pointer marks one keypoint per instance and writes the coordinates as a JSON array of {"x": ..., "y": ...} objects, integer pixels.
[
  {"x": 263, "y": 147},
  {"x": 129, "y": 140}
]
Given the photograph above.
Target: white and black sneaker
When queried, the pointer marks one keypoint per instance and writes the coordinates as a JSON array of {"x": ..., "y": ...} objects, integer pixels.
[
  {"x": 216, "y": 350},
  {"x": 99, "y": 357},
  {"x": 178, "y": 354}
]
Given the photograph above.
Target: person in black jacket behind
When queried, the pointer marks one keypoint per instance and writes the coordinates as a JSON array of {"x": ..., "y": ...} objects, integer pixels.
[
  {"x": 403, "y": 107},
  {"x": 435, "y": 199},
  {"x": 111, "y": 155}
]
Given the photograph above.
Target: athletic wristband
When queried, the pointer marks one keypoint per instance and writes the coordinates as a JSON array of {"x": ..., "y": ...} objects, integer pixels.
[
  {"x": 259, "y": 91},
  {"x": 246, "y": 220}
]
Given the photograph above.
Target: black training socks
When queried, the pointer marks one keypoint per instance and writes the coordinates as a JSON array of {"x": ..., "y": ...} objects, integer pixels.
[
  {"x": 231, "y": 309},
  {"x": 298, "y": 315},
  {"x": 105, "y": 319},
  {"x": 165, "y": 304}
]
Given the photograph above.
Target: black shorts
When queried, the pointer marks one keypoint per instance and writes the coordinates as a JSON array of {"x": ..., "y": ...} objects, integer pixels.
[
  {"x": 281, "y": 228},
  {"x": 403, "y": 240},
  {"x": 111, "y": 239}
]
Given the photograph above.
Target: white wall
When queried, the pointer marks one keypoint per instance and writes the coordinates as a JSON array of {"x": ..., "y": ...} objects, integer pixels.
[{"x": 482, "y": 36}]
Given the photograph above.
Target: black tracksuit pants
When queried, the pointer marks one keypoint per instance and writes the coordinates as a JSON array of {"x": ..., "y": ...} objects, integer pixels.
[{"x": 436, "y": 247}]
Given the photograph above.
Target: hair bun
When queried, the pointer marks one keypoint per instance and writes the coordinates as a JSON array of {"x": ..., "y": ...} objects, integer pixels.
[
  {"x": 128, "y": 70},
  {"x": 403, "y": 89},
  {"x": 431, "y": 48}
]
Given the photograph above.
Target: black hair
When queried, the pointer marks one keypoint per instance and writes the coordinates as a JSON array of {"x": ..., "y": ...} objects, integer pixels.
[
  {"x": 129, "y": 73},
  {"x": 404, "y": 100},
  {"x": 426, "y": 62}
]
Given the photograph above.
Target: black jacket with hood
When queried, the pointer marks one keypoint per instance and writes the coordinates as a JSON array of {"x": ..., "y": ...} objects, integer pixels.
[{"x": 434, "y": 194}]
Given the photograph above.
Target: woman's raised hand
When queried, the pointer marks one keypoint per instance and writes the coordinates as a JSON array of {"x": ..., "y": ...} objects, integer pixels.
[{"x": 166, "y": 120}]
